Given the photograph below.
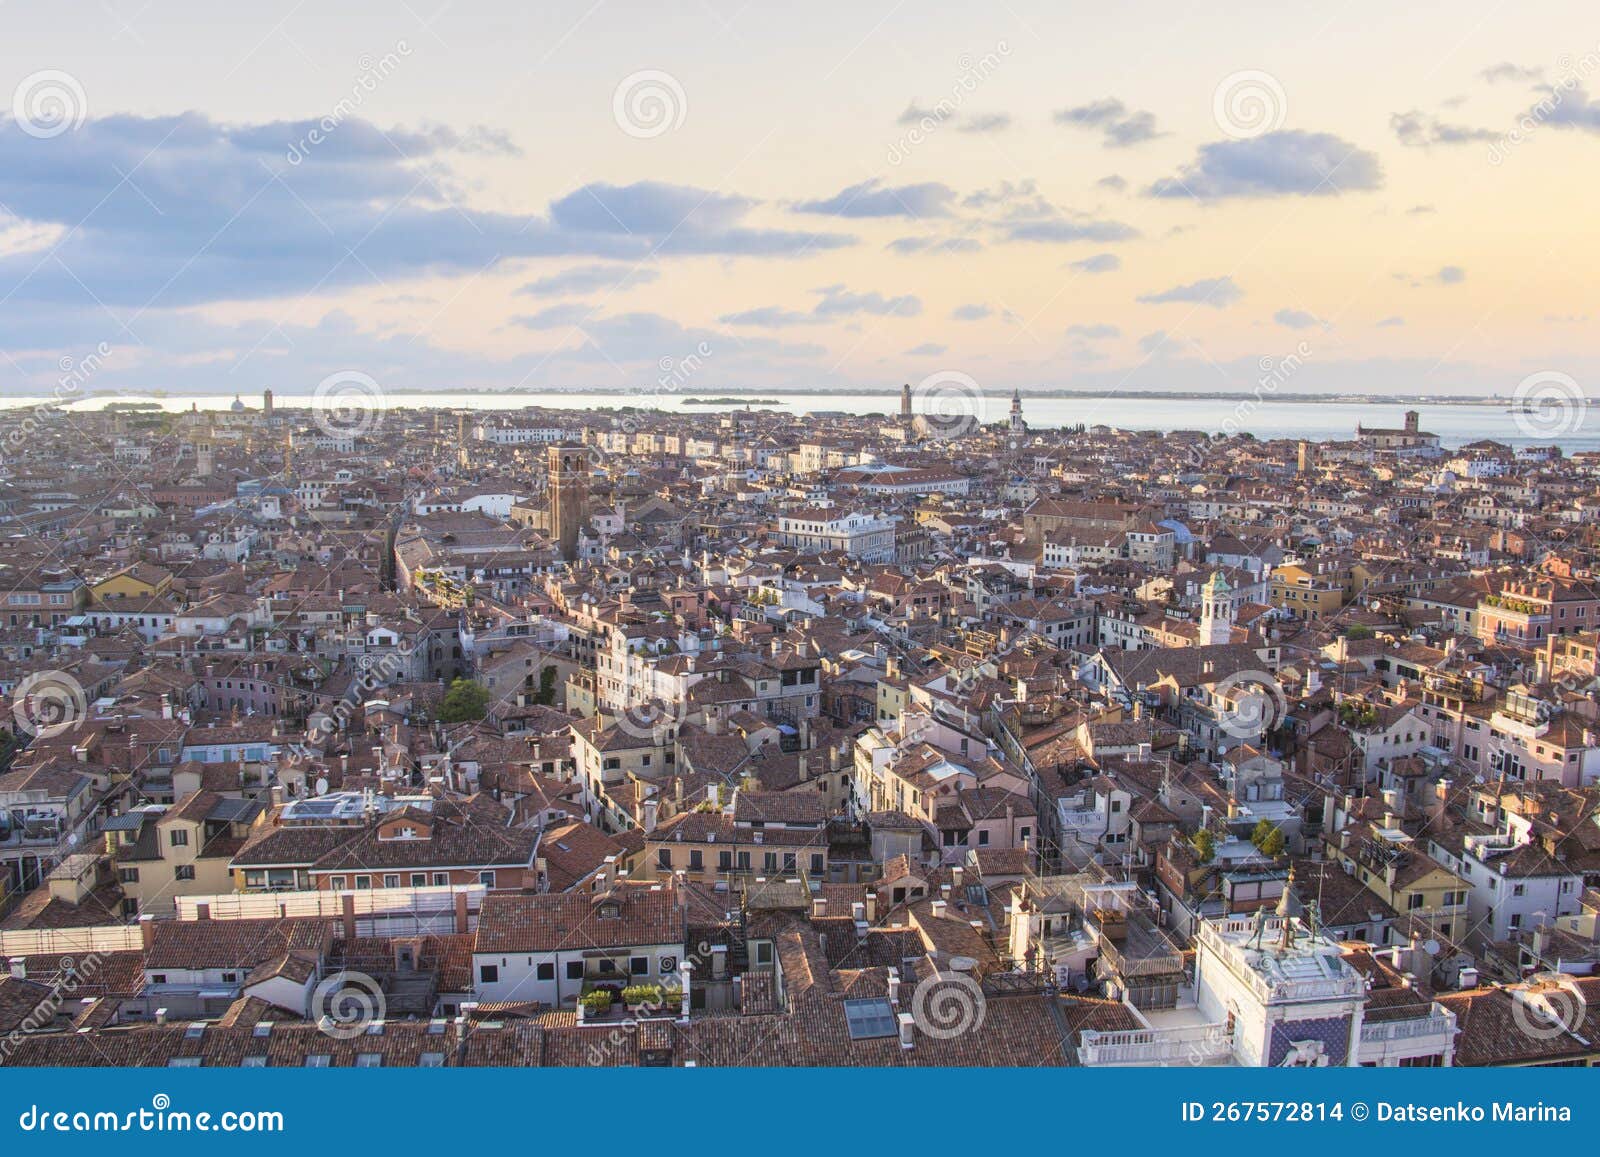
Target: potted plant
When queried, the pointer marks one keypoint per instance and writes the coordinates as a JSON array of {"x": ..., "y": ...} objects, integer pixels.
[
  {"x": 637, "y": 996},
  {"x": 596, "y": 1003}
]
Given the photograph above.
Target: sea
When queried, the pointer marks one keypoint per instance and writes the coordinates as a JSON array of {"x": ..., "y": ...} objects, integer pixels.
[{"x": 1456, "y": 423}]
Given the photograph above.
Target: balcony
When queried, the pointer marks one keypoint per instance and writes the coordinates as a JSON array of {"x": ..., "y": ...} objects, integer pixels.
[
  {"x": 1416, "y": 1036},
  {"x": 1191, "y": 1045}
]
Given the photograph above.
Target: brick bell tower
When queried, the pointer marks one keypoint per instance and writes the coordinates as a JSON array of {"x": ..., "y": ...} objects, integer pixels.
[{"x": 568, "y": 467}]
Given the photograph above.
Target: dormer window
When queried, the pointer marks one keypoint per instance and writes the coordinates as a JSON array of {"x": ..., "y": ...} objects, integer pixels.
[{"x": 610, "y": 910}]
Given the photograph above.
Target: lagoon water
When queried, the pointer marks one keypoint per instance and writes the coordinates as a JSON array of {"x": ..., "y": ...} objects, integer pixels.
[{"x": 1455, "y": 423}]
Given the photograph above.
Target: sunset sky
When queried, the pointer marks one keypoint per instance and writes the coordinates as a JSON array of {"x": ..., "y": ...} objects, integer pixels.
[{"x": 1038, "y": 195}]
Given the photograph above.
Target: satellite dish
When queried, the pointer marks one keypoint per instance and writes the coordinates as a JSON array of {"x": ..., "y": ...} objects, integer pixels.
[
  {"x": 1431, "y": 948},
  {"x": 322, "y": 785}
]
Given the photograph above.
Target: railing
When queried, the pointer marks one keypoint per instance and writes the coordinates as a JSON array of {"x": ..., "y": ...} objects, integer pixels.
[
  {"x": 1438, "y": 1022},
  {"x": 1192, "y": 1045}
]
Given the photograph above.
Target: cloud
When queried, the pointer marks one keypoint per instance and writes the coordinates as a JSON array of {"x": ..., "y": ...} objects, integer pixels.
[
  {"x": 771, "y": 316},
  {"x": 588, "y": 279},
  {"x": 973, "y": 312},
  {"x": 907, "y": 246},
  {"x": 556, "y": 316},
  {"x": 1119, "y": 126},
  {"x": 1151, "y": 342},
  {"x": 1298, "y": 319},
  {"x": 1277, "y": 164},
  {"x": 1093, "y": 332},
  {"x": 1114, "y": 181},
  {"x": 1063, "y": 230},
  {"x": 1217, "y": 292},
  {"x": 1506, "y": 71},
  {"x": 1099, "y": 263},
  {"x": 1570, "y": 108},
  {"x": 875, "y": 199},
  {"x": 210, "y": 213},
  {"x": 1417, "y": 130},
  {"x": 993, "y": 122},
  {"x": 1450, "y": 275},
  {"x": 927, "y": 349},
  {"x": 836, "y": 302},
  {"x": 1391, "y": 322}
]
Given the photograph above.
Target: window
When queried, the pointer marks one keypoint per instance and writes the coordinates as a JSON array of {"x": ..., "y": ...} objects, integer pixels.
[
  {"x": 128, "y": 875},
  {"x": 764, "y": 952},
  {"x": 253, "y": 1063},
  {"x": 369, "y": 1060},
  {"x": 664, "y": 859},
  {"x": 178, "y": 838},
  {"x": 816, "y": 863},
  {"x": 183, "y": 871},
  {"x": 547, "y": 970},
  {"x": 419, "y": 879},
  {"x": 391, "y": 880},
  {"x": 869, "y": 1019},
  {"x": 488, "y": 973},
  {"x": 724, "y": 861},
  {"x": 983, "y": 837},
  {"x": 336, "y": 883},
  {"x": 363, "y": 883},
  {"x": 441, "y": 879},
  {"x": 639, "y": 965},
  {"x": 574, "y": 970},
  {"x": 432, "y": 1061},
  {"x": 696, "y": 860},
  {"x": 769, "y": 862},
  {"x": 184, "y": 1063},
  {"x": 486, "y": 879},
  {"x": 318, "y": 1061}
]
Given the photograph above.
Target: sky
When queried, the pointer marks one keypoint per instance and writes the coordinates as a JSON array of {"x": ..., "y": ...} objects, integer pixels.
[{"x": 439, "y": 194}]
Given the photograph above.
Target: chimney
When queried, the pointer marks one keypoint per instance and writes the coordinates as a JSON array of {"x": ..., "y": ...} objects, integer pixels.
[
  {"x": 1468, "y": 977},
  {"x": 19, "y": 968},
  {"x": 161, "y": 1016},
  {"x": 872, "y": 908},
  {"x": 956, "y": 872},
  {"x": 894, "y": 987},
  {"x": 819, "y": 907},
  {"x": 685, "y": 970},
  {"x": 461, "y": 913},
  {"x": 939, "y": 907},
  {"x": 202, "y": 911},
  {"x": 147, "y": 931},
  {"x": 347, "y": 904},
  {"x": 908, "y": 1031},
  {"x": 651, "y": 809}
]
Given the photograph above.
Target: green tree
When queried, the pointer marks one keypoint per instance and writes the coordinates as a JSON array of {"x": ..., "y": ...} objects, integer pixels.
[
  {"x": 1273, "y": 845},
  {"x": 465, "y": 700},
  {"x": 1205, "y": 845},
  {"x": 546, "y": 695},
  {"x": 1263, "y": 829}
]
